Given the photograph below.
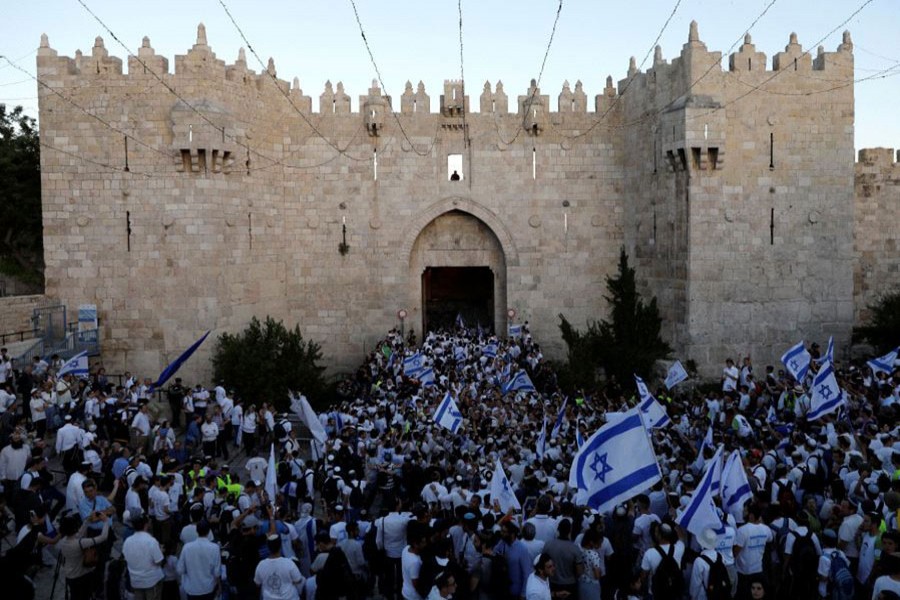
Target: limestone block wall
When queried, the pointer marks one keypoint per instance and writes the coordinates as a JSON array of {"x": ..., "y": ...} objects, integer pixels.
[
  {"x": 235, "y": 201},
  {"x": 876, "y": 233},
  {"x": 754, "y": 195},
  {"x": 16, "y": 312}
]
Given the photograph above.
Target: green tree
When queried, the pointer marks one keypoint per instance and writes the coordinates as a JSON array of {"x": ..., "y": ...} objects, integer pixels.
[
  {"x": 266, "y": 360},
  {"x": 628, "y": 343},
  {"x": 883, "y": 329},
  {"x": 21, "y": 232}
]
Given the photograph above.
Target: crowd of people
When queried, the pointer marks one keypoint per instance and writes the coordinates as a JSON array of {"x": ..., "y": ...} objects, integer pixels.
[{"x": 125, "y": 497}]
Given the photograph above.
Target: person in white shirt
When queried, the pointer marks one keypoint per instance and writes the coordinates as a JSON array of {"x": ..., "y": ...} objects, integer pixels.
[
  {"x": 140, "y": 428},
  {"x": 730, "y": 376},
  {"x": 278, "y": 577},
  {"x": 668, "y": 542},
  {"x": 391, "y": 537},
  {"x": 643, "y": 524},
  {"x": 868, "y": 542},
  {"x": 707, "y": 540},
  {"x": 74, "y": 492},
  {"x": 538, "y": 585},
  {"x": 749, "y": 547},
  {"x": 209, "y": 434},
  {"x": 159, "y": 509},
  {"x": 411, "y": 561},
  {"x": 144, "y": 558},
  {"x": 199, "y": 564}
]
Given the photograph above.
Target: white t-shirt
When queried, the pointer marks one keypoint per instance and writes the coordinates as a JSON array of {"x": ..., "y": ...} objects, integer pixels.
[
  {"x": 143, "y": 557},
  {"x": 537, "y": 588},
  {"x": 885, "y": 583},
  {"x": 652, "y": 559},
  {"x": 642, "y": 524},
  {"x": 279, "y": 579},
  {"x": 411, "y": 564},
  {"x": 752, "y": 539},
  {"x": 730, "y": 378},
  {"x": 847, "y": 533}
]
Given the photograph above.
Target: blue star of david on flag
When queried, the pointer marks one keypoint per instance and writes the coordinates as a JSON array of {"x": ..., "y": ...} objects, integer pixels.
[
  {"x": 797, "y": 359},
  {"x": 827, "y": 397},
  {"x": 600, "y": 466}
]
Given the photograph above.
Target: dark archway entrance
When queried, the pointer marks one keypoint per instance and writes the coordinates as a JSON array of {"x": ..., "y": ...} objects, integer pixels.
[{"x": 451, "y": 291}]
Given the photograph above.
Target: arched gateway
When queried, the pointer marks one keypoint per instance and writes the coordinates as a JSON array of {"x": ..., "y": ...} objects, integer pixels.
[{"x": 457, "y": 267}]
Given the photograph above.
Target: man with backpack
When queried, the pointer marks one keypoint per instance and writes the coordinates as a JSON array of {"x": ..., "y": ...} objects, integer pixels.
[
  {"x": 661, "y": 564},
  {"x": 709, "y": 576},
  {"x": 801, "y": 561},
  {"x": 749, "y": 548},
  {"x": 835, "y": 579}
]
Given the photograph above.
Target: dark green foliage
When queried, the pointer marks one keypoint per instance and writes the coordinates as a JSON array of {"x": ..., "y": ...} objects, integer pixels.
[
  {"x": 21, "y": 232},
  {"x": 266, "y": 360},
  {"x": 626, "y": 344},
  {"x": 883, "y": 330}
]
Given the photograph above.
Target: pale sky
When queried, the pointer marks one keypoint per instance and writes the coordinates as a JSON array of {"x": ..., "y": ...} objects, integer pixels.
[{"x": 320, "y": 40}]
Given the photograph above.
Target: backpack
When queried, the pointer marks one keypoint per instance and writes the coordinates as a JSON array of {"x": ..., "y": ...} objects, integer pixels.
[
  {"x": 668, "y": 574},
  {"x": 813, "y": 482},
  {"x": 718, "y": 584},
  {"x": 330, "y": 490},
  {"x": 804, "y": 560},
  {"x": 786, "y": 498},
  {"x": 356, "y": 496},
  {"x": 842, "y": 582},
  {"x": 279, "y": 430}
]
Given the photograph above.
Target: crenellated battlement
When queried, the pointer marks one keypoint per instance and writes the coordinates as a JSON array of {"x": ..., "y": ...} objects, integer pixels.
[{"x": 695, "y": 68}]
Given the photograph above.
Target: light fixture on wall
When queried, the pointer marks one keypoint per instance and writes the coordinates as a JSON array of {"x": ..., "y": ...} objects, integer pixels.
[{"x": 343, "y": 248}]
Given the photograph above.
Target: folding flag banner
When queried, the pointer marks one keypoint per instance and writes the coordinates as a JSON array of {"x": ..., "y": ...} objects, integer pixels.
[
  {"x": 77, "y": 365},
  {"x": 520, "y": 382},
  {"x": 700, "y": 512},
  {"x": 501, "y": 490},
  {"x": 176, "y": 364},
  {"x": 559, "y": 419},
  {"x": 616, "y": 463},
  {"x": 796, "y": 361},
  {"x": 884, "y": 363},
  {"x": 675, "y": 375},
  {"x": 413, "y": 364},
  {"x": 826, "y": 395},
  {"x": 735, "y": 486},
  {"x": 447, "y": 415}
]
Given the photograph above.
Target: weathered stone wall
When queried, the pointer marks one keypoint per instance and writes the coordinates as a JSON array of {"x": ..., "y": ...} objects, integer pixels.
[
  {"x": 16, "y": 312},
  {"x": 877, "y": 228},
  {"x": 235, "y": 199},
  {"x": 744, "y": 224}
]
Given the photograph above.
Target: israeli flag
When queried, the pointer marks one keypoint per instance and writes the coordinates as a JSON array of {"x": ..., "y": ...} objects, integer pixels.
[
  {"x": 826, "y": 395},
  {"x": 501, "y": 490},
  {"x": 700, "y": 512},
  {"x": 542, "y": 440},
  {"x": 271, "y": 485},
  {"x": 771, "y": 416},
  {"x": 459, "y": 321},
  {"x": 520, "y": 382},
  {"x": 459, "y": 354},
  {"x": 413, "y": 364},
  {"x": 490, "y": 350},
  {"x": 615, "y": 464},
  {"x": 426, "y": 376},
  {"x": 676, "y": 375},
  {"x": 829, "y": 353},
  {"x": 796, "y": 361},
  {"x": 77, "y": 365},
  {"x": 176, "y": 364},
  {"x": 447, "y": 414},
  {"x": 479, "y": 330},
  {"x": 338, "y": 420},
  {"x": 559, "y": 419},
  {"x": 515, "y": 331},
  {"x": 654, "y": 413},
  {"x": 735, "y": 486},
  {"x": 579, "y": 438},
  {"x": 884, "y": 363},
  {"x": 706, "y": 442}
]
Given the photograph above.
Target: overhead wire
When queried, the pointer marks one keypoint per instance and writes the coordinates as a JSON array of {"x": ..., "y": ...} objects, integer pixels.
[
  {"x": 537, "y": 86},
  {"x": 338, "y": 149},
  {"x": 362, "y": 33},
  {"x": 175, "y": 93}
]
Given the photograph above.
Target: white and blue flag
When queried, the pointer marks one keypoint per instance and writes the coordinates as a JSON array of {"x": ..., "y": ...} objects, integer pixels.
[
  {"x": 459, "y": 353},
  {"x": 796, "y": 361},
  {"x": 426, "y": 376},
  {"x": 459, "y": 321},
  {"x": 700, "y": 512},
  {"x": 447, "y": 414},
  {"x": 520, "y": 382},
  {"x": 559, "y": 419},
  {"x": 675, "y": 375},
  {"x": 515, "y": 331},
  {"x": 826, "y": 395},
  {"x": 616, "y": 463},
  {"x": 501, "y": 490},
  {"x": 654, "y": 413},
  {"x": 542, "y": 440},
  {"x": 579, "y": 438},
  {"x": 829, "y": 353},
  {"x": 884, "y": 363},
  {"x": 77, "y": 366},
  {"x": 490, "y": 350},
  {"x": 413, "y": 364},
  {"x": 338, "y": 420},
  {"x": 706, "y": 442},
  {"x": 735, "y": 486},
  {"x": 771, "y": 415}
]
